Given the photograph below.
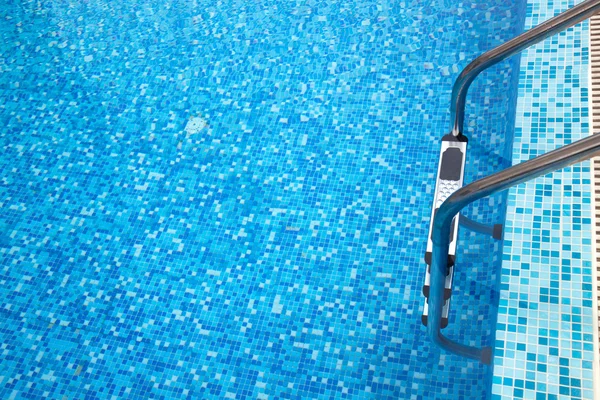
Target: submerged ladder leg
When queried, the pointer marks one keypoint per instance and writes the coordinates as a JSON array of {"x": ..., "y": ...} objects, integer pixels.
[
  {"x": 449, "y": 179},
  {"x": 494, "y": 231}
]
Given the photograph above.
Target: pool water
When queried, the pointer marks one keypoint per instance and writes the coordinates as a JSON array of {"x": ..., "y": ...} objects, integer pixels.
[{"x": 231, "y": 199}]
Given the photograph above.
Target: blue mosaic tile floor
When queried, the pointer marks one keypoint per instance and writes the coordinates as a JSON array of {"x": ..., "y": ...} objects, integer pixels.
[
  {"x": 545, "y": 341},
  {"x": 230, "y": 200}
]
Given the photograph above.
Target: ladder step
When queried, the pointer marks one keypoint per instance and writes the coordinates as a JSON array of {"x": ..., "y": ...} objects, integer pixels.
[{"x": 449, "y": 179}]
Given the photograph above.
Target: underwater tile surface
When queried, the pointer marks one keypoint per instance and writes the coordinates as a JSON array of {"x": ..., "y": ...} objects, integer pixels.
[
  {"x": 230, "y": 199},
  {"x": 544, "y": 347}
]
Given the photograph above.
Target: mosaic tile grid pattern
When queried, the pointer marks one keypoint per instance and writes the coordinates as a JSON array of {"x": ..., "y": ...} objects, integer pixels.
[
  {"x": 230, "y": 199},
  {"x": 544, "y": 347}
]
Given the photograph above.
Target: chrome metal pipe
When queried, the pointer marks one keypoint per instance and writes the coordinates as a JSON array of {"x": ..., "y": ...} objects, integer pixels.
[
  {"x": 535, "y": 35},
  {"x": 571, "y": 154}
]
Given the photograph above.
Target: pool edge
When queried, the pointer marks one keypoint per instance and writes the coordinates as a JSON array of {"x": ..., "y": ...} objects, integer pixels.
[{"x": 595, "y": 186}]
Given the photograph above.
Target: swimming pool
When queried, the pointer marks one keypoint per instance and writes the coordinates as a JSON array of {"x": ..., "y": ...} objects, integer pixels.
[{"x": 231, "y": 199}]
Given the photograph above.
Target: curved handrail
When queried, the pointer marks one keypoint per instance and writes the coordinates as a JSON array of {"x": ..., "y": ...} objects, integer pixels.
[
  {"x": 570, "y": 154},
  {"x": 535, "y": 35}
]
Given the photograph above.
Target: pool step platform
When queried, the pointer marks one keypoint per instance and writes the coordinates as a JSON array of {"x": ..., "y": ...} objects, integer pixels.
[{"x": 450, "y": 174}]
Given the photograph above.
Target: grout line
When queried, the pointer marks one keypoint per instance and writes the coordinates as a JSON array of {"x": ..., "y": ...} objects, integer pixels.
[{"x": 594, "y": 80}]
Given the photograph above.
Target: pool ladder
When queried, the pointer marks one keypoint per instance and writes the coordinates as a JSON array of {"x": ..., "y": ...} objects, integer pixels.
[{"x": 450, "y": 197}]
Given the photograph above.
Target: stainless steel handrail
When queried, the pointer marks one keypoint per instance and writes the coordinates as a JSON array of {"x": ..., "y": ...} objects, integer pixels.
[
  {"x": 573, "y": 153},
  {"x": 535, "y": 35}
]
